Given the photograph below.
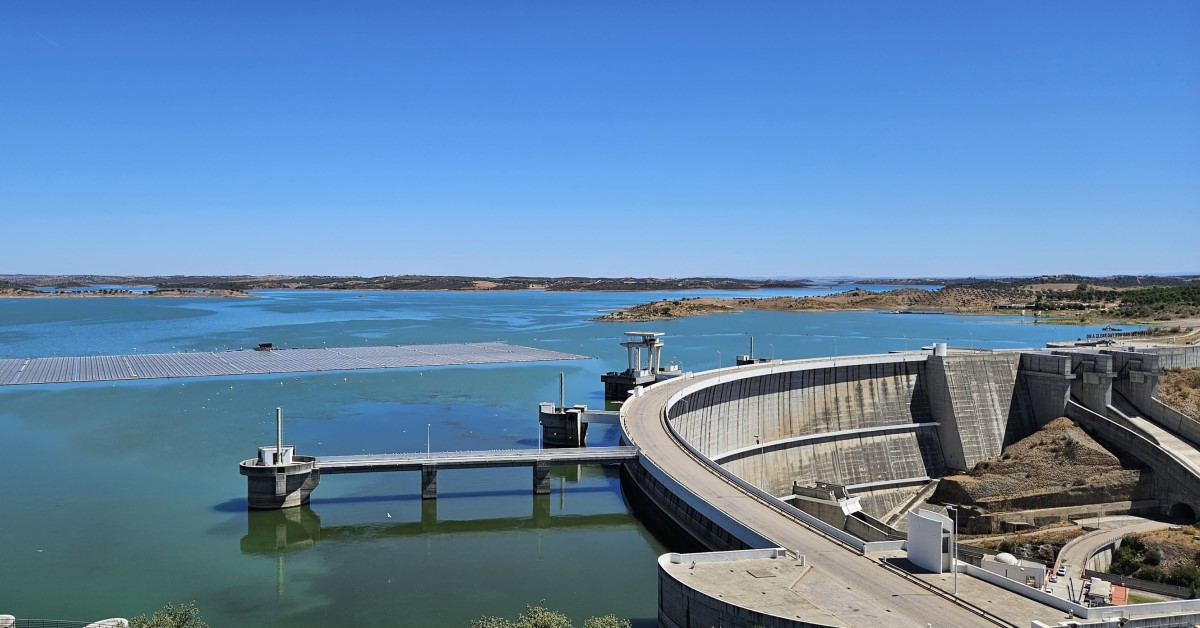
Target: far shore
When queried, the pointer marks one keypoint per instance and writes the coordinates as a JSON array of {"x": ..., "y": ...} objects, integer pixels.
[{"x": 98, "y": 294}]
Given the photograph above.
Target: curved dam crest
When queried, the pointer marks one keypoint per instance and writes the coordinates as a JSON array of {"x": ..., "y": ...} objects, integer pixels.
[{"x": 717, "y": 446}]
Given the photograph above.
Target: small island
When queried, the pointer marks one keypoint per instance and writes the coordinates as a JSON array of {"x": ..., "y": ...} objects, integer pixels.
[{"x": 1048, "y": 299}]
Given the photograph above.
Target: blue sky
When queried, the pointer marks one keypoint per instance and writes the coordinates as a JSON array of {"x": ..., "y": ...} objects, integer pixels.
[{"x": 600, "y": 138}]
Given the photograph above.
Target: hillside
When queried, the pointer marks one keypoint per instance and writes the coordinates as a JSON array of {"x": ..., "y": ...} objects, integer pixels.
[
  {"x": 1180, "y": 389},
  {"x": 396, "y": 282},
  {"x": 1059, "y": 465}
]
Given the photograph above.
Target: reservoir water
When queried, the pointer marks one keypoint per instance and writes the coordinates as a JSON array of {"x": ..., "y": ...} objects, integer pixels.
[{"x": 120, "y": 497}]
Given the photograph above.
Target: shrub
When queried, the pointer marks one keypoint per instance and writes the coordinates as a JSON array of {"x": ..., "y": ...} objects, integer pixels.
[
  {"x": 171, "y": 616},
  {"x": 542, "y": 617}
]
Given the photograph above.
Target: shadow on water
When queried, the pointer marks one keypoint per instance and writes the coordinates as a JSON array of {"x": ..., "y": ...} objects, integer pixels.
[
  {"x": 273, "y": 532},
  {"x": 238, "y": 505}
]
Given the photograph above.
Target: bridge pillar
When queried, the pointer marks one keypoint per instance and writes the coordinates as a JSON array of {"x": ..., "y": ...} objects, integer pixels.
[
  {"x": 541, "y": 477},
  {"x": 428, "y": 481}
]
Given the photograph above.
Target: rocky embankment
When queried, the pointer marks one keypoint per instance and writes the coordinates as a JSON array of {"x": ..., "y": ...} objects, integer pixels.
[{"x": 1059, "y": 465}]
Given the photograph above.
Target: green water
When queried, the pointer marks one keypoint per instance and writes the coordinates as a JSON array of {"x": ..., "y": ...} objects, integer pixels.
[{"x": 119, "y": 497}]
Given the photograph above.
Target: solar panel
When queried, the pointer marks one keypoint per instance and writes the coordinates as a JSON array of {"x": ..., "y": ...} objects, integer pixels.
[{"x": 103, "y": 368}]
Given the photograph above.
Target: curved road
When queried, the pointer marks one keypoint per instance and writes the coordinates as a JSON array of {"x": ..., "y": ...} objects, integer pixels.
[{"x": 852, "y": 588}]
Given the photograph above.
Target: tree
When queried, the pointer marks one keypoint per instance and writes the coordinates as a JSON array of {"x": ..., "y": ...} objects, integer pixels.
[
  {"x": 542, "y": 617},
  {"x": 171, "y": 616},
  {"x": 607, "y": 621}
]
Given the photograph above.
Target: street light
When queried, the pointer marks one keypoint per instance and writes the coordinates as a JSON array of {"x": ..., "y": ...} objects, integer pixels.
[
  {"x": 428, "y": 449},
  {"x": 835, "y": 348},
  {"x": 772, "y": 350},
  {"x": 718, "y": 358},
  {"x": 954, "y": 548}
]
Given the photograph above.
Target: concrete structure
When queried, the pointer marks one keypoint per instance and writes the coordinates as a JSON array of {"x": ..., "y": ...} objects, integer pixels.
[
  {"x": 719, "y": 448},
  {"x": 930, "y": 536},
  {"x": 104, "y": 368},
  {"x": 617, "y": 385},
  {"x": 1028, "y": 572},
  {"x": 567, "y": 427}
]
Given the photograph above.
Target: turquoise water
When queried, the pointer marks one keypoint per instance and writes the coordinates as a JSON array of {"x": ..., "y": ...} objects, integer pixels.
[{"x": 120, "y": 497}]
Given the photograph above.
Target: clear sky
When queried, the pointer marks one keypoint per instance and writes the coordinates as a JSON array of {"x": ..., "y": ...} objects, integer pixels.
[{"x": 795, "y": 138}]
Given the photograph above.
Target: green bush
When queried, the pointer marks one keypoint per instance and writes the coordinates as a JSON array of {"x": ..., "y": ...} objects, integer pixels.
[
  {"x": 542, "y": 617},
  {"x": 171, "y": 616},
  {"x": 1184, "y": 575}
]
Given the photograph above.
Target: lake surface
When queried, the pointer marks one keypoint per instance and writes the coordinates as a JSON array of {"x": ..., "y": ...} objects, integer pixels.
[{"x": 120, "y": 497}]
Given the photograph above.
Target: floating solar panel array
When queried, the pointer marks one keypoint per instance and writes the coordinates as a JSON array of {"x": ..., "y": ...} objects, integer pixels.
[{"x": 103, "y": 368}]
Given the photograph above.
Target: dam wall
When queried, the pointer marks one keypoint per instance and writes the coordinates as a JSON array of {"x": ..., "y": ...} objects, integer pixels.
[
  {"x": 980, "y": 403},
  {"x": 866, "y": 423}
]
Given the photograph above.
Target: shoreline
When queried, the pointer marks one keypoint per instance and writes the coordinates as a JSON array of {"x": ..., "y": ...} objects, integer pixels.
[{"x": 95, "y": 294}]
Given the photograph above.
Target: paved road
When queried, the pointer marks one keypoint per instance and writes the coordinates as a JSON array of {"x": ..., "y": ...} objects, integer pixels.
[
  {"x": 851, "y": 587},
  {"x": 1074, "y": 555}
]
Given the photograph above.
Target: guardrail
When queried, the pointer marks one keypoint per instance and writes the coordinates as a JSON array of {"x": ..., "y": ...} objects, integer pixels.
[{"x": 1141, "y": 585}]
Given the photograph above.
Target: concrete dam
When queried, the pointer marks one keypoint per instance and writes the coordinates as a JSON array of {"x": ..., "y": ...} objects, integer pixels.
[
  {"x": 885, "y": 426},
  {"x": 731, "y": 456}
]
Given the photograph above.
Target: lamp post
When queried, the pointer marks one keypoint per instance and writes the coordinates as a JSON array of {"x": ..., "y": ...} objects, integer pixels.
[
  {"x": 428, "y": 449},
  {"x": 772, "y": 350},
  {"x": 835, "y": 347},
  {"x": 954, "y": 548},
  {"x": 718, "y": 358}
]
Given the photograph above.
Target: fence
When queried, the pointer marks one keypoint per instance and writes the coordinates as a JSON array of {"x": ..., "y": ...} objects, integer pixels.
[{"x": 1141, "y": 585}]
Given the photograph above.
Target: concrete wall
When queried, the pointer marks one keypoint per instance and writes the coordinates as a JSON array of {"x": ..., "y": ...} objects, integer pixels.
[
  {"x": 927, "y": 545},
  {"x": 1174, "y": 420},
  {"x": 1047, "y": 378},
  {"x": 1092, "y": 384},
  {"x": 980, "y": 403},
  {"x": 662, "y": 496},
  {"x": 802, "y": 402},
  {"x": 1176, "y": 357},
  {"x": 727, "y": 416}
]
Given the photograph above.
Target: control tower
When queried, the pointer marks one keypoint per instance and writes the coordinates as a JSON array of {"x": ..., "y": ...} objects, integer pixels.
[{"x": 618, "y": 385}]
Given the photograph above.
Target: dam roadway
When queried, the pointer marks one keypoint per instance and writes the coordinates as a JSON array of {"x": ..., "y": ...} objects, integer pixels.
[{"x": 843, "y": 588}]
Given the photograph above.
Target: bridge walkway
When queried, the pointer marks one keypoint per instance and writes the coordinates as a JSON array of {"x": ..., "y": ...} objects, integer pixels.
[
  {"x": 430, "y": 462},
  {"x": 473, "y": 459}
]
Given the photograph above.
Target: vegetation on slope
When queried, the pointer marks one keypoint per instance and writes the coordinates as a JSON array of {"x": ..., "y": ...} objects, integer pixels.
[
  {"x": 1167, "y": 556},
  {"x": 1180, "y": 389}
]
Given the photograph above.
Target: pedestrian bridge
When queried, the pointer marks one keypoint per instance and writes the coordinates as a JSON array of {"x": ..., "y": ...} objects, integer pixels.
[
  {"x": 472, "y": 459},
  {"x": 284, "y": 481}
]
